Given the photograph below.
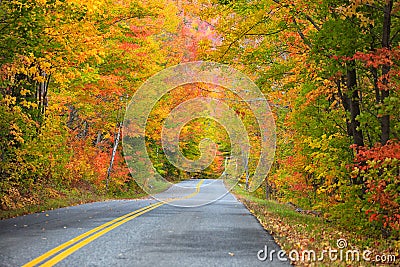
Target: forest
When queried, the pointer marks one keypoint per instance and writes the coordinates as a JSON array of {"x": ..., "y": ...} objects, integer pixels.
[{"x": 330, "y": 70}]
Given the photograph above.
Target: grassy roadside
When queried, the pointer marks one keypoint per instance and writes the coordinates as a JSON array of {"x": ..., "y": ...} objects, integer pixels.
[
  {"x": 301, "y": 232},
  {"x": 49, "y": 199},
  {"x": 69, "y": 198},
  {"x": 65, "y": 199}
]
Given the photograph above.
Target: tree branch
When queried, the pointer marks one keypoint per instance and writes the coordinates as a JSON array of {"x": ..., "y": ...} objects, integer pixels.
[
  {"x": 264, "y": 34},
  {"x": 302, "y": 36}
]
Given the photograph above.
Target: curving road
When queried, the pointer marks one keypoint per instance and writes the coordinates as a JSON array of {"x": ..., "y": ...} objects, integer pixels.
[{"x": 141, "y": 232}]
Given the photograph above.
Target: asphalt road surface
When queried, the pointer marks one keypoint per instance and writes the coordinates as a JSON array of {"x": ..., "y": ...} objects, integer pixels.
[{"x": 142, "y": 232}]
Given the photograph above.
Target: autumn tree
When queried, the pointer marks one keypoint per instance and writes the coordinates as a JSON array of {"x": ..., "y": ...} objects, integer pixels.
[{"x": 330, "y": 70}]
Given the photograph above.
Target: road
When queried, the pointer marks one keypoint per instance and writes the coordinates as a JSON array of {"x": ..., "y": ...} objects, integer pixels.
[{"x": 132, "y": 233}]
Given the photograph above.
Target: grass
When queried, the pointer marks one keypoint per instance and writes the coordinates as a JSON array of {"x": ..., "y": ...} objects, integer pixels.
[
  {"x": 296, "y": 231},
  {"x": 48, "y": 199},
  {"x": 69, "y": 198}
]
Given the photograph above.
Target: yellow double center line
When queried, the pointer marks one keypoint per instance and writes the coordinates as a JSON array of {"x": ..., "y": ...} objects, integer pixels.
[{"x": 74, "y": 244}]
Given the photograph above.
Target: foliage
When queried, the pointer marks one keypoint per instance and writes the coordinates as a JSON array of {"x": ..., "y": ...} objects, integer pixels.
[
  {"x": 67, "y": 69},
  {"x": 378, "y": 168},
  {"x": 331, "y": 72}
]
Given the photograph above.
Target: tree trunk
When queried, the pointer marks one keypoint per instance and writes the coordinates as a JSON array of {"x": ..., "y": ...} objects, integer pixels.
[
  {"x": 358, "y": 138},
  {"x": 346, "y": 105},
  {"x": 246, "y": 167},
  {"x": 385, "y": 119},
  {"x": 267, "y": 189},
  {"x": 116, "y": 141}
]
